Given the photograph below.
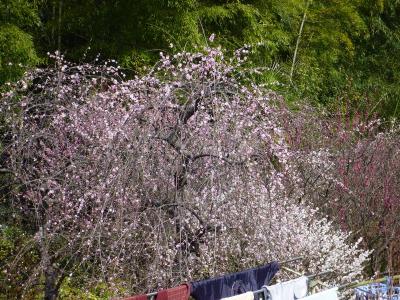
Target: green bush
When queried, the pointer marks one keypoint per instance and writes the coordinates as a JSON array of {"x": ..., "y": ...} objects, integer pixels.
[{"x": 17, "y": 53}]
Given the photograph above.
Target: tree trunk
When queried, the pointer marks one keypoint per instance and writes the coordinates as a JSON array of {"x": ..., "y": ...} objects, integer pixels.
[
  {"x": 50, "y": 286},
  {"x": 298, "y": 40}
]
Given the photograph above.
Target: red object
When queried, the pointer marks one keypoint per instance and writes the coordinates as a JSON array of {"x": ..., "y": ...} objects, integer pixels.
[
  {"x": 138, "y": 297},
  {"x": 181, "y": 292}
]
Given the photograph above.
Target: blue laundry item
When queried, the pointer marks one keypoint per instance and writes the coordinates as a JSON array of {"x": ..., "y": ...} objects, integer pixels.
[
  {"x": 379, "y": 291},
  {"x": 234, "y": 284}
]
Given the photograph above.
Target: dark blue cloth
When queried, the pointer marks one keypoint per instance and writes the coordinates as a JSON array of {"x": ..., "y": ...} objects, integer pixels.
[{"x": 234, "y": 284}]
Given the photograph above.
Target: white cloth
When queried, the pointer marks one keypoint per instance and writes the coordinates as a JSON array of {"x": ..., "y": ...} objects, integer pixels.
[
  {"x": 289, "y": 290},
  {"x": 330, "y": 294},
  {"x": 244, "y": 296},
  {"x": 300, "y": 287}
]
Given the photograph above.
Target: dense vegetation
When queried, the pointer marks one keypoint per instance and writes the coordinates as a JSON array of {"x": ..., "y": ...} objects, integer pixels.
[
  {"x": 331, "y": 52},
  {"x": 108, "y": 133}
]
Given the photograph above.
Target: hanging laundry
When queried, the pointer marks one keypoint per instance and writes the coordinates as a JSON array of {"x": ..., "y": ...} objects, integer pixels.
[
  {"x": 330, "y": 294},
  {"x": 235, "y": 283},
  {"x": 245, "y": 296},
  {"x": 288, "y": 290},
  {"x": 181, "y": 292},
  {"x": 378, "y": 291}
]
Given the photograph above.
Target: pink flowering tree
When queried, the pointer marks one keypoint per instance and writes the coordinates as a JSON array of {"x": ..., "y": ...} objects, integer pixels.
[
  {"x": 181, "y": 174},
  {"x": 355, "y": 180}
]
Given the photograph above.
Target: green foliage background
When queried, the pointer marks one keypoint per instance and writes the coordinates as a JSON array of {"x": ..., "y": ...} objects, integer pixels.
[
  {"x": 347, "y": 50},
  {"x": 17, "y": 50}
]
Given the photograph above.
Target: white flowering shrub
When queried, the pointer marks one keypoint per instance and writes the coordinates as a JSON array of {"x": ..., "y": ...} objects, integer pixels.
[{"x": 181, "y": 174}]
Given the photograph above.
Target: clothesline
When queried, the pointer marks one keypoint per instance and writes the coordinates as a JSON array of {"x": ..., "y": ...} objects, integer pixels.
[
  {"x": 152, "y": 295},
  {"x": 308, "y": 276},
  {"x": 254, "y": 284},
  {"x": 247, "y": 284}
]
